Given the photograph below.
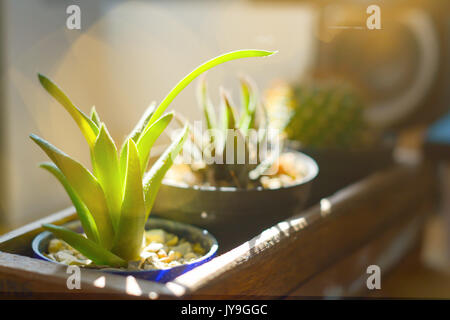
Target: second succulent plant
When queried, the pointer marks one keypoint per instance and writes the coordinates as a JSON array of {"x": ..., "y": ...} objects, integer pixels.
[{"x": 237, "y": 149}]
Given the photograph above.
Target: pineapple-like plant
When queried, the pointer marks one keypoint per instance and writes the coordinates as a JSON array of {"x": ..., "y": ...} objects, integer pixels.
[
  {"x": 232, "y": 153},
  {"x": 113, "y": 202},
  {"x": 321, "y": 114}
]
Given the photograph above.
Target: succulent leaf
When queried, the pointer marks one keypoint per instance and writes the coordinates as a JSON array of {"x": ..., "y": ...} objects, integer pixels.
[
  {"x": 149, "y": 136},
  {"x": 99, "y": 255},
  {"x": 107, "y": 171},
  {"x": 229, "y": 112},
  {"x": 86, "y": 125},
  {"x": 153, "y": 178},
  {"x": 199, "y": 70},
  {"x": 134, "y": 135},
  {"x": 95, "y": 117},
  {"x": 249, "y": 105},
  {"x": 145, "y": 143},
  {"x": 86, "y": 186},
  {"x": 236, "y": 133},
  {"x": 130, "y": 233},
  {"x": 206, "y": 105},
  {"x": 140, "y": 126},
  {"x": 87, "y": 221},
  {"x": 245, "y": 94}
]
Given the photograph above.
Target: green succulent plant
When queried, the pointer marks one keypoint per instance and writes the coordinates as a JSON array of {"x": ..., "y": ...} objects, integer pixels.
[
  {"x": 247, "y": 129},
  {"x": 113, "y": 202}
]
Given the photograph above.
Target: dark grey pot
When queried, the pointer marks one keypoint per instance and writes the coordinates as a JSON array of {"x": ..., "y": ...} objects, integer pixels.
[
  {"x": 340, "y": 168},
  {"x": 232, "y": 214}
]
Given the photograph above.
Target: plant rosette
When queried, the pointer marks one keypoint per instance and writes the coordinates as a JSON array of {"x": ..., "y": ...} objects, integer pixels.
[
  {"x": 171, "y": 249},
  {"x": 114, "y": 200},
  {"x": 248, "y": 193}
]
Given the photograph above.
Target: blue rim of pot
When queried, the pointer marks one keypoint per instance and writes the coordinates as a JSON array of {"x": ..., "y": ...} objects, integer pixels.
[
  {"x": 159, "y": 275},
  {"x": 312, "y": 172}
]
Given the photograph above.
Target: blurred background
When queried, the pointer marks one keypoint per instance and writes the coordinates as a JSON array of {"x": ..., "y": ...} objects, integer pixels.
[
  {"x": 127, "y": 54},
  {"x": 130, "y": 53}
]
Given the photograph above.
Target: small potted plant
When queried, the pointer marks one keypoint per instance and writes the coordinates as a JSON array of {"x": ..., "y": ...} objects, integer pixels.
[
  {"x": 325, "y": 118},
  {"x": 220, "y": 190},
  {"x": 113, "y": 202}
]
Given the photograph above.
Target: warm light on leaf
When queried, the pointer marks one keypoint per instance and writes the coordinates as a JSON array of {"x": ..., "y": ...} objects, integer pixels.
[
  {"x": 130, "y": 232},
  {"x": 86, "y": 125},
  {"x": 88, "y": 248},
  {"x": 106, "y": 163},
  {"x": 113, "y": 203},
  {"x": 86, "y": 186},
  {"x": 86, "y": 219}
]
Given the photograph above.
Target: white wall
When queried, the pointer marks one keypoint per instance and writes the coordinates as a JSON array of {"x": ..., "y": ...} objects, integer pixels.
[{"x": 127, "y": 54}]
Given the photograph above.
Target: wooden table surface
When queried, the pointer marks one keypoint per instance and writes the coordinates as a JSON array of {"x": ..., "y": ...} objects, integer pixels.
[
  {"x": 381, "y": 208},
  {"x": 422, "y": 274}
]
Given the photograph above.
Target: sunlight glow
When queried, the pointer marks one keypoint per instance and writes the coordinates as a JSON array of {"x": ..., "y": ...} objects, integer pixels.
[
  {"x": 132, "y": 287},
  {"x": 325, "y": 207},
  {"x": 100, "y": 282}
]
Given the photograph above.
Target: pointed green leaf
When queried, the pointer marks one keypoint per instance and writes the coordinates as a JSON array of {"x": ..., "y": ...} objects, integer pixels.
[
  {"x": 87, "y": 221},
  {"x": 135, "y": 135},
  {"x": 88, "y": 248},
  {"x": 247, "y": 122},
  {"x": 229, "y": 112},
  {"x": 249, "y": 103},
  {"x": 123, "y": 160},
  {"x": 245, "y": 94},
  {"x": 148, "y": 138},
  {"x": 130, "y": 233},
  {"x": 86, "y": 125},
  {"x": 193, "y": 146},
  {"x": 106, "y": 163},
  {"x": 86, "y": 186},
  {"x": 154, "y": 177},
  {"x": 142, "y": 123},
  {"x": 94, "y": 117},
  {"x": 199, "y": 70},
  {"x": 206, "y": 105}
]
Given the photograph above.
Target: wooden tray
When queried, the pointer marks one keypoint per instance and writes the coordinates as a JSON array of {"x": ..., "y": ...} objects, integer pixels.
[{"x": 323, "y": 251}]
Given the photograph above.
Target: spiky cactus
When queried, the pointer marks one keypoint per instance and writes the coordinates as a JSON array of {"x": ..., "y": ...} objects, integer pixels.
[{"x": 321, "y": 114}]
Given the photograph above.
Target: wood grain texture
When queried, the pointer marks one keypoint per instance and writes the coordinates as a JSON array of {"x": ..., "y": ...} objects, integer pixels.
[{"x": 24, "y": 277}]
